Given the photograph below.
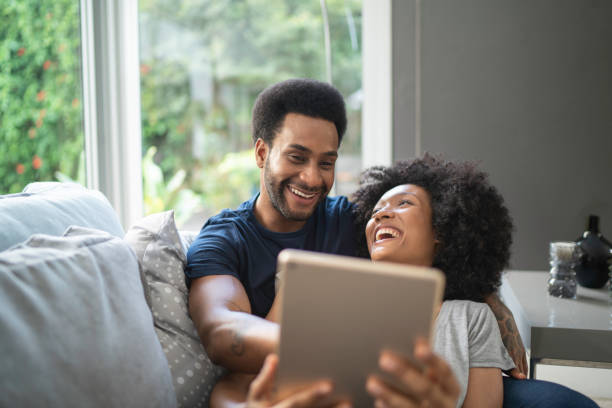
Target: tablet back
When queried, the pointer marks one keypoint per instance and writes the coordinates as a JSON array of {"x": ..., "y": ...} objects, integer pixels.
[{"x": 339, "y": 312}]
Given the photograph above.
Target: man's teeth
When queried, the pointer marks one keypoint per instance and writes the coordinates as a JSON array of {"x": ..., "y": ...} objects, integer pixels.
[
  {"x": 386, "y": 233},
  {"x": 301, "y": 193}
]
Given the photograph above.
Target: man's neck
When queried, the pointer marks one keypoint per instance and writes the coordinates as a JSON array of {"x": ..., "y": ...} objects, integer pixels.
[{"x": 270, "y": 218}]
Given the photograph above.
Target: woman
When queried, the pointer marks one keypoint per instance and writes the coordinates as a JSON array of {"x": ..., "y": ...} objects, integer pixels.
[
  {"x": 431, "y": 213},
  {"x": 443, "y": 214}
]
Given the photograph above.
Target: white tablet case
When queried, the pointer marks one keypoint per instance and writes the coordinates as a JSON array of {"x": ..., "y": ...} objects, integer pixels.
[{"x": 339, "y": 312}]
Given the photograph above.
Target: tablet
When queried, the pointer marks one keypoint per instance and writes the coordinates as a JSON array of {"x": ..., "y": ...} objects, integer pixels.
[{"x": 338, "y": 313}]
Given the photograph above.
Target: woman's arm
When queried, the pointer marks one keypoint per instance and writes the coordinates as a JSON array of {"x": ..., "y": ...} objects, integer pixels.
[{"x": 485, "y": 388}]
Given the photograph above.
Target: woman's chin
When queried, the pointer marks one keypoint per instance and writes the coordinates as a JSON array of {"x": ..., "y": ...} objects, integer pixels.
[{"x": 379, "y": 254}]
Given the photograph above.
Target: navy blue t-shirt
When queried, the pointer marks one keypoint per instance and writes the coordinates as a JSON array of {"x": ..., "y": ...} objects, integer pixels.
[{"x": 234, "y": 243}]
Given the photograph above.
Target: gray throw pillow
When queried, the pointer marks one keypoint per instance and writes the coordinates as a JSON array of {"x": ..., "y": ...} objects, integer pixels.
[
  {"x": 161, "y": 252},
  {"x": 75, "y": 327}
]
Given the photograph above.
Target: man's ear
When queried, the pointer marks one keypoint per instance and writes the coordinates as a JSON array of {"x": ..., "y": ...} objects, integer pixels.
[{"x": 261, "y": 152}]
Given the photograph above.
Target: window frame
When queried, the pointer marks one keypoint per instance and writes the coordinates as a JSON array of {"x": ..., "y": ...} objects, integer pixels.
[{"x": 111, "y": 95}]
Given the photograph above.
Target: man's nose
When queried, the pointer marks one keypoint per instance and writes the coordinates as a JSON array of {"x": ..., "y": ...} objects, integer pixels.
[{"x": 311, "y": 176}]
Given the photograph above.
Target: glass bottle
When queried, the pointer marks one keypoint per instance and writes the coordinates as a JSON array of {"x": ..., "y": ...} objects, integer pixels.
[
  {"x": 592, "y": 268},
  {"x": 563, "y": 259}
]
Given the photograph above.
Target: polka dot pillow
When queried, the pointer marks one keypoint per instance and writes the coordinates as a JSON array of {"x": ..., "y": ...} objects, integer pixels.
[{"x": 161, "y": 253}]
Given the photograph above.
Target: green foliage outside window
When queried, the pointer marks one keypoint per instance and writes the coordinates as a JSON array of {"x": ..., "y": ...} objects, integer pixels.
[
  {"x": 197, "y": 147},
  {"x": 234, "y": 49},
  {"x": 41, "y": 134}
]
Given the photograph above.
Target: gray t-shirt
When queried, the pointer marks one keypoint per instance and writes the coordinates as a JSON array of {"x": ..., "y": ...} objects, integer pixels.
[{"x": 467, "y": 335}]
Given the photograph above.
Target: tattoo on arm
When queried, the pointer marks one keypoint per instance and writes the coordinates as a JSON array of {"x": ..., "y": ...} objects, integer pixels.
[
  {"x": 237, "y": 345},
  {"x": 235, "y": 307}
]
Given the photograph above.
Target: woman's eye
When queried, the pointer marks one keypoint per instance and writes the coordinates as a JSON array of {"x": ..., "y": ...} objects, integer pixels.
[
  {"x": 374, "y": 211},
  {"x": 405, "y": 202}
]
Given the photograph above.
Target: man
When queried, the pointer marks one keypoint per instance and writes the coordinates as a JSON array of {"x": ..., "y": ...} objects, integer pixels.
[{"x": 297, "y": 128}]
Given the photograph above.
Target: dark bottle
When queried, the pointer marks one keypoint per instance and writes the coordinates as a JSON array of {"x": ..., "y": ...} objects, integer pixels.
[{"x": 592, "y": 269}]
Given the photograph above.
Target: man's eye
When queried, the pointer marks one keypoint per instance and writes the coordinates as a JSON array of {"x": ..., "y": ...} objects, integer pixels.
[
  {"x": 374, "y": 211},
  {"x": 405, "y": 202},
  {"x": 297, "y": 158},
  {"x": 327, "y": 164}
]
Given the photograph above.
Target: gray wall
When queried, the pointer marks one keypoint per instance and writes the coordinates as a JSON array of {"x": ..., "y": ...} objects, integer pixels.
[{"x": 524, "y": 87}]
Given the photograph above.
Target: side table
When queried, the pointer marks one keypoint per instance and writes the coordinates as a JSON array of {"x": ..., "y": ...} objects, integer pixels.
[{"x": 576, "y": 332}]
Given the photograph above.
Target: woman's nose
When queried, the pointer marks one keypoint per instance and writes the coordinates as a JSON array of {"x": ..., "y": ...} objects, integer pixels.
[{"x": 384, "y": 212}]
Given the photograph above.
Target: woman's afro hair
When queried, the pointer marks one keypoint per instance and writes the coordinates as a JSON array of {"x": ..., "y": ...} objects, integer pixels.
[{"x": 469, "y": 219}]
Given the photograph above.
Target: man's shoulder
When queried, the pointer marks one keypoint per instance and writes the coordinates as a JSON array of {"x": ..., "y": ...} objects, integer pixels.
[
  {"x": 338, "y": 205},
  {"x": 230, "y": 216},
  {"x": 226, "y": 227}
]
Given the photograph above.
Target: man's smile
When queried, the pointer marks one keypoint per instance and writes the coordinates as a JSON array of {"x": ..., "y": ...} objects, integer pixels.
[{"x": 303, "y": 196}]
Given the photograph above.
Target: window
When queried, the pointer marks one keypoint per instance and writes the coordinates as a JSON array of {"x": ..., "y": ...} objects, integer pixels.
[
  {"x": 41, "y": 127},
  {"x": 203, "y": 63}
]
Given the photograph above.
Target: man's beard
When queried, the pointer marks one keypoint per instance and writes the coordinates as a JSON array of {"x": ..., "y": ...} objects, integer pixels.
[{"x": 276, "y": 192}]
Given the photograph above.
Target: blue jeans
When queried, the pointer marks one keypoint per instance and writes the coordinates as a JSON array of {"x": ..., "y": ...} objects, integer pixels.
[{"x": 542, "y": 394}]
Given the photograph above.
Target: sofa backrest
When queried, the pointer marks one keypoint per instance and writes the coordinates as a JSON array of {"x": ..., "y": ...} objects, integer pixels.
[{"x": 50, "y": 208}]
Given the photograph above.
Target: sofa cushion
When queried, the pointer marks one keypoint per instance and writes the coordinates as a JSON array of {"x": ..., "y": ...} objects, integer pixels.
[
  {"x": 50, "y": 208},
  {"x": 76, "y": 330},
  {"x": 161, "y": 252}
]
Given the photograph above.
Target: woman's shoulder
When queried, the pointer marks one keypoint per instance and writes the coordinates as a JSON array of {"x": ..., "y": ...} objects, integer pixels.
[
  {"x": 465, "y": 307},
  {"x": 468, "y": 312}
]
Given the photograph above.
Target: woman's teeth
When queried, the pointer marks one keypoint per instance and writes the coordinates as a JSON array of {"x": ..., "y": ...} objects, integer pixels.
[{"x": 385, "y": 233}]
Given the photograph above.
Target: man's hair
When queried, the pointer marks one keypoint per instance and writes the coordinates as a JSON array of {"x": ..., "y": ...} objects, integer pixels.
[
  {"x": 469, "y": 219},
  {"x": 304, "y": 96}
]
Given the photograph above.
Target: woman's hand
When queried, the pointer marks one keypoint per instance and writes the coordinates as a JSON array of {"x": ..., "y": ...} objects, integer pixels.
[
  {"x": 435, "y": 386},
  {"x": 260, "y": 391}
]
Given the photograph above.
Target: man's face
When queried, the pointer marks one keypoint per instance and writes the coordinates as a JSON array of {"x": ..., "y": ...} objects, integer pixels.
[{"x": 298, "y": 168}]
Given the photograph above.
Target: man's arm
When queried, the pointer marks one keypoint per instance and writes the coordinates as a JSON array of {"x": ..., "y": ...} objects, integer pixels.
[
  {"x": 233, "y": 338},
  {"x": 248, "y": 391},
  {"x": 510, "y": 335}
]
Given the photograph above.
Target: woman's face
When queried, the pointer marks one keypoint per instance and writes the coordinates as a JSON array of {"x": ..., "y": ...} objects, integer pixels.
[{"x": 400, "y": 228}]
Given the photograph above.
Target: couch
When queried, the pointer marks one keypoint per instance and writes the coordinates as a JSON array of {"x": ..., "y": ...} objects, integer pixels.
[{"x": 92, "y": 315}]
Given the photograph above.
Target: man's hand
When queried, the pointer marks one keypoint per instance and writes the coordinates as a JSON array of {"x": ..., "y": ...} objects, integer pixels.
[
  {"x": 260, "y": 391},
  {"x": 510, "y": 336},
  {"x": 436, "y": 386}
]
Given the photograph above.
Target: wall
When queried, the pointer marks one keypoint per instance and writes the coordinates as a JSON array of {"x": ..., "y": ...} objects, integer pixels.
[{"x": 524, "y": 87}]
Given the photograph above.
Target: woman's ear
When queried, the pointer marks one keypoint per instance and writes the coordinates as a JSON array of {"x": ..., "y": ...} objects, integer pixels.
[
  {"x": 261, "y": 152},
  {"x": 437, "y": 244}
]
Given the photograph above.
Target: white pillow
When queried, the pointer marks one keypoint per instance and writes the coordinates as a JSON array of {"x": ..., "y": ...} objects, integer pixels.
[
  {"x": 50, "y": 208},
  {"x": 75, "y": 327},
  {"x": 161, "y": 252}
]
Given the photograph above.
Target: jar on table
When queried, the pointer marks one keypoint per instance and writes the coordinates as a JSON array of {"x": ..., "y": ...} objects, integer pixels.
[{"x": 564, "y": 257}]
